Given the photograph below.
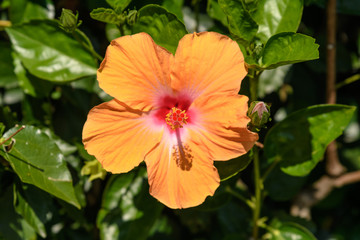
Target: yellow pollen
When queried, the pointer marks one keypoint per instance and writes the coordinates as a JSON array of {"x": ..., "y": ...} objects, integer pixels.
[{"x": 176, "y": 118}]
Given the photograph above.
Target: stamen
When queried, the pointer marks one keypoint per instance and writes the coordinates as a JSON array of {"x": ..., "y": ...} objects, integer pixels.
[{"x": 176, "y": 118}]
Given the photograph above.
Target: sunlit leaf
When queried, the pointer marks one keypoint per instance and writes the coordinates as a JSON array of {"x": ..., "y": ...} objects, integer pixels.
[
  {"x": 289, "y": 231},
  {"x": 287, "y": 48},
  {"x": 118, "y": 5},
  {"x": 38, "y": 160},
  {"x": 49, "y": 53},
  {"x": 214, "y": 10},
  {"x": 175, "y": 7},
  {"x": 298, "y": 143},
  {"x": 241, "y": 24},
  {"x": 30, "y": 84},
  {"x": 164, "y": 27},
  {"x": 127, "y": 207},
  {"x": 276, "y": 16}
]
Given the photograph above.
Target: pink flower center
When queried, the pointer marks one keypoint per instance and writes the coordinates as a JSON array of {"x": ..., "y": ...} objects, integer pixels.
[{"x": 176, "y": 118}]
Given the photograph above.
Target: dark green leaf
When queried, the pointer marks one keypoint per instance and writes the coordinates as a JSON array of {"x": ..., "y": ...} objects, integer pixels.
[
  {"x": 287, "y": 48},
  {"x": 30, "y": 84},
  {"x": 127, "y": 207},
  {"x": 299, "y": 141},
  {"x": 118, "y": 5},
  {"x": 33, "y": 205},
  {"x": 289, "y": 231},
  {"x": 38, "y": 160},
  {"x": 230, "y": 168},
  {"x": 12, "y": 225},
  {"x": 163, "y": 26},
  {"x": 2, "y": 128},
  {"x": 106, "y": 15},
  {"x": 276, "y": 16},
  {"x": 65, "y": 58},
  {"x": 26, "y": 10},
  {"x": 7, "y": 75},
  {"x": 241, "y": 24}
]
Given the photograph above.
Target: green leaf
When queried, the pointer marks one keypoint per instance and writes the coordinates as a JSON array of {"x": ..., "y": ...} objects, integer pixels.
[
  {"x": 127, "y": 207},
  {"x": 12, "y": 225},
  {"x": 30, "y": 84},
  {"x": 2, "y": 128},
  {"x": 26, "y": 10},
  {"x": 164, "y": 27},
  {"x": 241, "y": 24},
  {"x": 276, "y": 16},
  {"x": 214, "y": 10},
  {"x": 175, "y": 7},
  {"x": 287, "y": 48},
  {"x": 118, "y": 5},
  {"x": 289, "y": 231},
  {"x": 7, "y": 75},
  {"x": 33, "y": 205},
  {"x": 38, "y": 160},
  {"x": 230, "y": 168},
  {"x": 106, "y": 15},
  {"x": 49, "y": 53},
  {"x": 298, "y": 143}
]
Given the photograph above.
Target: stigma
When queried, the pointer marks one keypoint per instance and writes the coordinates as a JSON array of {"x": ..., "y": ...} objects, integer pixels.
[{"x": 176, "y": 118}]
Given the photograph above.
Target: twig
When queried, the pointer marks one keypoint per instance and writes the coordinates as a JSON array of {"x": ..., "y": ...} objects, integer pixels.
[
  {"x": 12, "y": 135},
  {"x": 333, "y": 165},
  {"x": 307, "y": 198}
]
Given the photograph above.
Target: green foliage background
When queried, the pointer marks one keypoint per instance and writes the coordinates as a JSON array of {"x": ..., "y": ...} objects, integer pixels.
[{"x": 50, "y": 188}]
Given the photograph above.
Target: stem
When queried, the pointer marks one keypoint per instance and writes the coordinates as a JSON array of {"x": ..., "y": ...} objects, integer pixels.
[
  {"x": 240, "y": 197},
  {"x": 254, "y": 83},
  {"x": 258, "y": 187},
  {"x": 87, "y": 45},
  {"x": 12, "y": 135},
  {"x": 347, "y": 81}
]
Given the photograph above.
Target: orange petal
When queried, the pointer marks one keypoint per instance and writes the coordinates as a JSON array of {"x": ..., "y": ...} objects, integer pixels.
[
  {"x": 208, "y": 63},
  {"x": 181, "y": 183},
  {"x": 134, "y": 70},
  {"x": 222, "y": 127},
  {"x": 118, "y": 136}
]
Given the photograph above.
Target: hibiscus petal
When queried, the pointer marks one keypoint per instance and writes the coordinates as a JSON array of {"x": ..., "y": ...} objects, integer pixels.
[
  {"x": 181, "y": 183},
  {"x": 118, "y": 136},
  {"x": 135, "y": 70},
  {"x": 221, "y": 129},
  {"x": 208, "y": 63}
]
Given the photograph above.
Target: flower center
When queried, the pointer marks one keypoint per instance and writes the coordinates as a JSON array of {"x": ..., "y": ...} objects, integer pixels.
[{"x": 176, "y": 118}]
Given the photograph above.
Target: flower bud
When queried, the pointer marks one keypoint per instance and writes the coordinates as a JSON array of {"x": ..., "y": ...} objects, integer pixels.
[
  {"x": 69, "y": 21},
  {"x": 259, "y": 113}
]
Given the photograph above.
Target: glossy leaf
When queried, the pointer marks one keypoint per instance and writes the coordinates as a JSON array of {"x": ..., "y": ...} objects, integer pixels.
[
  {"x": 230, "y": 168},
  {"x": 50, "y": 53},
  {"x": 30, "y": 84},
  {"x": 276, "y": 16},
  {"x": 164, "y": 27},
  {"x": 127, "y": 207},
  {"x": 290, "y": 231},
  {"x": 298, "y": 143},
  {"x": 38, "y": 160},
  {"x": 26, "y": 10},
  {"x": 287, "y": 48},
  {"x": 241, "y": 24},
  {"x": 106, "y": 15}
]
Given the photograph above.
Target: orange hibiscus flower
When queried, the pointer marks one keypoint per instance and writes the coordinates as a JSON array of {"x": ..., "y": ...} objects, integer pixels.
[{"x": 177, "y": 113}]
